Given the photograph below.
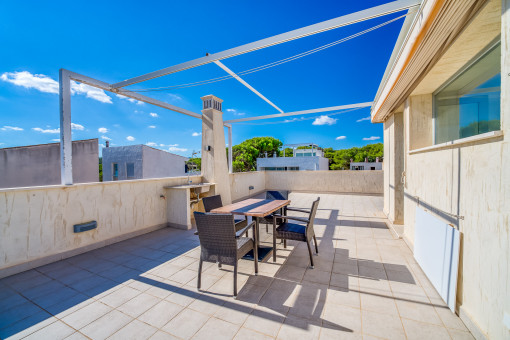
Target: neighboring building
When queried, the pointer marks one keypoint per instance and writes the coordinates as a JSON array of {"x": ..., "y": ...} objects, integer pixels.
[
  {"x": 302, "y": 159},
  {"x": 445, "y": 105},
  {"x": 38, "y": 165},
  {"x": 140, "y": 161},
  {"x": 366, "y": 165}
]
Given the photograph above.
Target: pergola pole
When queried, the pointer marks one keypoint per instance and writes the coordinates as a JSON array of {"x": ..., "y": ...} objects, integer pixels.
[
  {"x": 66, "y": 146},
  {"x": 230, "y": 168}
]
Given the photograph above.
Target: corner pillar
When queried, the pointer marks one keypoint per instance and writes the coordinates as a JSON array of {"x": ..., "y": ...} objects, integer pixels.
[{"x": 214, "y": 155}]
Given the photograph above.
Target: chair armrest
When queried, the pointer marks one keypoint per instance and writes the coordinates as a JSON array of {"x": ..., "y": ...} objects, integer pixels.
[
  {"x": 299, "y": 209},
  {"x": 242, "y": 231},
  {"x": 300, "y": 219}
]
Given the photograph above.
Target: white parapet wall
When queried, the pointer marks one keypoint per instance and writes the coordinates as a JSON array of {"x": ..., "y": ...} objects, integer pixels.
[
  {"x": 341, "y": 181},
  {"x": 241, "y": 182},
  {"x": 36, "y": 223}
]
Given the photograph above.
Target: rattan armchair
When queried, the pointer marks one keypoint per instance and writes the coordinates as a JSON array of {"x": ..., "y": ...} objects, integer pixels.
[
  {"x": 295, "y": 231},
  {"x": 275, "y": 195},
  {"x": 213, "y": 202},
  {"x": 220, "y": 243}
]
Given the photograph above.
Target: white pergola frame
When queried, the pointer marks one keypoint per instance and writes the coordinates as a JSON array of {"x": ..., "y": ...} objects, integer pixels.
[{"x": 66, "y": 76}]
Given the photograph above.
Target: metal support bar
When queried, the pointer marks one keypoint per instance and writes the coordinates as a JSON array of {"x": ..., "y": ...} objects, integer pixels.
[
  {"x": 107, "y": 87},
  {"x": 370, "y": 13},
  {"x": 230, "y": 168},
  {"x": 66, "y": 144},
  {"x": 304, "y": 112},
  {"x": 233, "y": 74}
]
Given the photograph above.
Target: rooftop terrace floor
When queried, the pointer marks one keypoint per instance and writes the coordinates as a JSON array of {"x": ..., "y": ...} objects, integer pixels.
[{"x": 365, "y": 285}]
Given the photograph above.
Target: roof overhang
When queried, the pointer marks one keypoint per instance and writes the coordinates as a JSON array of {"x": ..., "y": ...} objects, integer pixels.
[{"x": 436, "y": 25}]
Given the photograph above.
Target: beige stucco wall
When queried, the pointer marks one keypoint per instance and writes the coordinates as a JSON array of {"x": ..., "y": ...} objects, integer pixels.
[
  {"x": 36, "y": 224},
  {"x": 393, "y": 168},
  {"x": 36, "y": 165},
  {"x": 240, "y": 183},
  {"x": 471, "y": 180},
  {"x": 344, "y": 181}
]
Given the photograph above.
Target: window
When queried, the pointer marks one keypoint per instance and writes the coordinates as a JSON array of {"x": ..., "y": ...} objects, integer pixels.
[
  {"x": 469, "y": 103},
  {"x": 115, "y": 172},
  {"x": 130, "y": 170},
  {"x": 286, "y": 168}
]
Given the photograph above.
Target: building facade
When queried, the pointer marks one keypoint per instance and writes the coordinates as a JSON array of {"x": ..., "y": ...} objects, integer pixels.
[
  {"x": 140, "y": 161},
  {"x": 366, "y": 165},
  {"x": 37, "y": 165},
  {"x": 302, "y": 159},
  {"x": 445, "y": 106}
]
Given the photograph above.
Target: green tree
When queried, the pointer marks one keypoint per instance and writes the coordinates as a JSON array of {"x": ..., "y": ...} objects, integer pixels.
[
  {"x": 197, "y": 161},
  {"x": 100, "y": 169},
  {"x": 341, "y": 159},
  {"x": 244, "y": 155}
]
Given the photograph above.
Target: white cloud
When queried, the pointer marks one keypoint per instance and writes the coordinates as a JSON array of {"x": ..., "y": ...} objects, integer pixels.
[
  {"x": 235, "y": 112},
  {"x": 371, "y": 138},
  {"x": 46, "y": 84},
  {"x": 152, "y": 144},
  {"x": 38, "y": 129},
  {"x": 152, "y": 114},
  {"x": 131, "y": 100},
  {"x": 293, "y": 120},
  {"x": 174, "y": 96},
  {"x": 11, "y": 128},
  {"x": 56, "y": 140},
  {"x": 175, "y": 149},
  {"x": 130, "y": 138},
  {"x": 31, "y": 81},
  {"x": 103, "y": 130},
  {"x": 362, "y": 119},
  {"x": 90, "y": 92},
  {"x": 152, "y": 126},
  {"x": 77, "y": 127},
  {"x": 324, "y": 120},
  {"x": 196, "y": 134},
  {"x": 340, "y": 137},
  {"x": 105, "y": 138}
]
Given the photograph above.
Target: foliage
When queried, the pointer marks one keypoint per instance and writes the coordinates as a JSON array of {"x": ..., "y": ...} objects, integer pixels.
[
  {"x": 197, "y": 161},
  {"x": 244, "y": 155},
  {"x": 341, "y": 159},
  {"x": 100, "y": 169},
  {"x": 288, "y": 153}
]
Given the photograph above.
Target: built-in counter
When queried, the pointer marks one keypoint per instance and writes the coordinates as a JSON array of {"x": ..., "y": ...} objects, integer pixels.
[{"x": 179, "y": 199}]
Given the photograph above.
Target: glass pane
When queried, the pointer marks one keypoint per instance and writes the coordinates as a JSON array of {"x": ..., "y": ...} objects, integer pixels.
[
  {"x": 130, "y": 170},
  {"x": 470, "y": 104}
]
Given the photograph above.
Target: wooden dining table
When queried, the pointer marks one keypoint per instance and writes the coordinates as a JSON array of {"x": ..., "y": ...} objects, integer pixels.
[{"x": 256, "y": 208}]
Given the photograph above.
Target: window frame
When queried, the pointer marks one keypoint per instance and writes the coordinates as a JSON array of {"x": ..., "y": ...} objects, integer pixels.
[
  {"x": 493, "y": 44},
  {"x": 113, "y": 171}
]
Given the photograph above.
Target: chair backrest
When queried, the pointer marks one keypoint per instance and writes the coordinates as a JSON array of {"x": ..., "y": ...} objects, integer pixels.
[
  {"x": 212, "y": 202},
  {"x": 217, "y": 237},
  {"x": 277, "y": 195},
  {"x": 311, "y": 218}
]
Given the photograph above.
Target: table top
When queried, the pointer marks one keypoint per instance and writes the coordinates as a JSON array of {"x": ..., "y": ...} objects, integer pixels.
[{"x": 252, "y": 207}]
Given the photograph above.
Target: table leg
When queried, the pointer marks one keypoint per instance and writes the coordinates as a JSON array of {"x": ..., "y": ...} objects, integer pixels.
[
  {"x": 257, "y": 229},
  {"x": 263, "y": 251}
]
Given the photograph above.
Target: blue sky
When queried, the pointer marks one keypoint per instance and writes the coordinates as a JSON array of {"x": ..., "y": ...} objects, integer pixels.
[{"x": 113, "y": 41}]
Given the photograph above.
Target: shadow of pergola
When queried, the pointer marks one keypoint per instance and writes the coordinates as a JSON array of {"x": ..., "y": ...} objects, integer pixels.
[{"x": 98, "y": 271}]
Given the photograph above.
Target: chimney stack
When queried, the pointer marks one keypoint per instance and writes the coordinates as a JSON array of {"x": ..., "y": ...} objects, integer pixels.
[
  {"x": 377, "y": 159},
  {"x": 366, "y": 159},
  {"x": 107, "y": 143},
  {"x": 352, "y": 160}
]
